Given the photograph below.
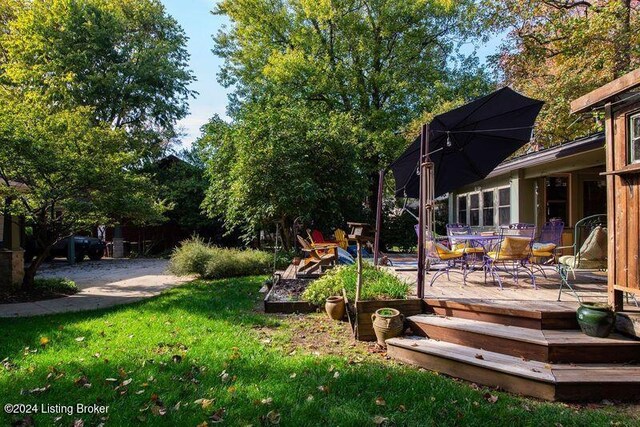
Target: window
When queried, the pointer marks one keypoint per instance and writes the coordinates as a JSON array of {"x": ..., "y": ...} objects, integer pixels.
[
  {"x": 634, "y": 138},
  {"x": 504, "y": 206},
  {"x": 474, "y": 209},
  {"x": 487, "y": 208},
  {"x": 557, "y": 191},
  {"x": 462, "y": 209}
]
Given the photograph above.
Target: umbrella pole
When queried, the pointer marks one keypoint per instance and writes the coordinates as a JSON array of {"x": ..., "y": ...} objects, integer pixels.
[
  {"x": 376, "y": 243},
  {"x": 422, "y": 220}
]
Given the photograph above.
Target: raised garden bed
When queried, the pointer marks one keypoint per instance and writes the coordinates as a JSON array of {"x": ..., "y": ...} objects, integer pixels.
[{"x": 285, "y": 297}]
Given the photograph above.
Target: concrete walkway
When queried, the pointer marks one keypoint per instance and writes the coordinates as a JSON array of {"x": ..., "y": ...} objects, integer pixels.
[{"x": 103, "y": 283}]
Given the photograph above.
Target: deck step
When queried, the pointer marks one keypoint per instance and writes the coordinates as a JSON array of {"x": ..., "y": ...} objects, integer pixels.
[
  {"x": 565, "y": 382},
  {"x": 525, "y": 314},
  {"x": 553, "y": 346}
]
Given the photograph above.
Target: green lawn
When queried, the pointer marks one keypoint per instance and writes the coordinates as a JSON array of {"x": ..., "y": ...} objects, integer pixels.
[{"x": 201, "y": 353}]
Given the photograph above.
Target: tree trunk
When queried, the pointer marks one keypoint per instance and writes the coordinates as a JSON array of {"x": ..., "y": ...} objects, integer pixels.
[
  {"x": 32, "y": 269},
  {"x": 285, "y": 234}
]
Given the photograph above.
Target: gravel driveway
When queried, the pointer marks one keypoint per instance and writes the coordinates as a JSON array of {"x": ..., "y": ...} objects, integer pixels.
[{"x": 103, "y": 283}]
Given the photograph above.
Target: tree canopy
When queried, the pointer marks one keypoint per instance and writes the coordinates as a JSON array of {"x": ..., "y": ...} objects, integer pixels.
[
  {"x": 90, "y": 89},
  {"x": 372, "y": 66},
  {"x": 559, "y": 50}
]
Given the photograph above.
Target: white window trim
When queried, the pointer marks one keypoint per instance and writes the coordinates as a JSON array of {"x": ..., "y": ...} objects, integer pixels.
[
  {"x": 496, "y": 205},
  {"x": 632, "y": 117}
]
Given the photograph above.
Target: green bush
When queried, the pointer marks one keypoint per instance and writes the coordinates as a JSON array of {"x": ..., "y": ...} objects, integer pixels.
[
  {"x": 55, "y": 285},
  {"x": 377, "y": 284},
  {"x": 194, "y": 256}
]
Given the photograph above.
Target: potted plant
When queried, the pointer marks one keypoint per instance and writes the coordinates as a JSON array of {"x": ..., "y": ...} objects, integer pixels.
[
  {"x": 387, "y": 323},
  {"x": 595, "y": 319},
  {"x": 335, "y": 307}
]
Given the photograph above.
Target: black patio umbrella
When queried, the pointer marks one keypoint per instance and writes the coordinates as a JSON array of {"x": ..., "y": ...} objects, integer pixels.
[{"x": 467, "y": 143}]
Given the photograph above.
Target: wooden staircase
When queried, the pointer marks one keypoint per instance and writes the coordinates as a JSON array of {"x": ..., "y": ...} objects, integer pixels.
[{"x": 521, "y": 350}]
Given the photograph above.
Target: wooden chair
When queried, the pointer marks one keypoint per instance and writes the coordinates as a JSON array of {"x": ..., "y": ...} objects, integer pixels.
[
  {"x": 318, "y": 257},
  {"x": 341, "y": 238}
]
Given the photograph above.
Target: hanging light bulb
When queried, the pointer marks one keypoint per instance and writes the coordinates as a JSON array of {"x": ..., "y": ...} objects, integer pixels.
[{"x": 449, "y": 143}]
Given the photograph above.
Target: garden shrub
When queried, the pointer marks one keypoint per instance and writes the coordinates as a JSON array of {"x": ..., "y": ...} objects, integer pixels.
[
  {"x": 55, "y": 285},
  {"x": 377, "y": 284},
  {"x": 194, "y": 256}
]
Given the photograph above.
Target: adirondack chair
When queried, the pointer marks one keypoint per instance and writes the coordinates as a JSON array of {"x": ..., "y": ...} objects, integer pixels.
[{"x": 318, "y": 257}]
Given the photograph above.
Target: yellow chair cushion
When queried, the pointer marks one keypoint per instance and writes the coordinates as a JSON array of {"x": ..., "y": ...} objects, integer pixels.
[
  {"x": 544, "y": 247},
  {"x": 462, "y": 248},
  {"x": 512, "y": 248},
  {"x": 542, "y": 254},
  {"x": 445, "y": 253}
]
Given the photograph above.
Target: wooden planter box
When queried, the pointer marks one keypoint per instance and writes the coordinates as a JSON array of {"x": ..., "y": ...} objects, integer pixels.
[
  {"x": 362, "y": 323},
  {"x": 287, "y": 307}
]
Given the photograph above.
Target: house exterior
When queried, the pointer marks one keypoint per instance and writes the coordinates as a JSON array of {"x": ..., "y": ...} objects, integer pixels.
[{"x": 563, "y": 182}]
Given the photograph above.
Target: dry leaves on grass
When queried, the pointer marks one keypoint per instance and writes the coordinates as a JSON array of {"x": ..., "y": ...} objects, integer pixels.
[
  {"x": 491, "y": 398},
  {"x": 380, "y": 401}
]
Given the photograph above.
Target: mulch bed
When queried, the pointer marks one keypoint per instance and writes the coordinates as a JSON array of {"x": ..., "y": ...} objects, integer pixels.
[
  {"x": 289, "y": 290},
  {"x": 31, "y": 296}
]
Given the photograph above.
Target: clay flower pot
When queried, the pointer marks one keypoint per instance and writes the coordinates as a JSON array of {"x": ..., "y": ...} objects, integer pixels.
[
  {"x": 595, "y": 319},
  {"x": 387, "y": 323},
  {"x": 335, "y": 307}
]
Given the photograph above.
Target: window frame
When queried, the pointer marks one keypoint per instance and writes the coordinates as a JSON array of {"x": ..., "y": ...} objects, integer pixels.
[
  {"x": 569, "y": 177},
  {"x": 630, "y": 137},
  {"x": 500, "y": 206}
]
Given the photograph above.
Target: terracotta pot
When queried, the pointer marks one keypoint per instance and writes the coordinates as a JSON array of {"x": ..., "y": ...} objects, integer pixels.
[
  {"x": 387, "y": 323},
  {"x": 335, "y": 307},
  {"x": 595, "y": 319}
]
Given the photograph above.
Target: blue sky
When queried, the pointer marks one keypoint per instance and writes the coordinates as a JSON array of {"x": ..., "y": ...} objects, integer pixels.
[{"x": 199, "y": 24}]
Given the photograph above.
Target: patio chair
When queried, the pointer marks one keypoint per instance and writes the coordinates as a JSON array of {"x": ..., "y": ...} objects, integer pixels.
[
  {"x": 462, "y": 245},
  {"x": 445, "y": 259},
  {"x": 319, "y": 256},
  {"x": 592, "y": 254},
  {"x": 545, "y": 247},
  {"x": 513, "y": 248}
]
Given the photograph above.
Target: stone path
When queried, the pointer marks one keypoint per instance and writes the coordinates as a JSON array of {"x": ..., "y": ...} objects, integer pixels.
[{"x": 103, "y": 283}]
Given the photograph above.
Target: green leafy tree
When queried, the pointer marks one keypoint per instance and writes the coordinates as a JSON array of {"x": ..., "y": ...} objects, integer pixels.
[
  {"x": 90, "y": 88},
  {"x": 383, "y": 62},
  {"x": 559, "y": 50},
  {"x": 279, "y": 162}
]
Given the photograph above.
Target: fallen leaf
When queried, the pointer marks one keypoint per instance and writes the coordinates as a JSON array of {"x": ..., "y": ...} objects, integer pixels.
[
  {"x": 126, "y": 382},
  {"x": 205, "y": 403},
  {"x": 267, "y": 401},
  {"x": 158, "y": 410},
  {"x": 217, "y": 416},
  {"x": 310, "y": 398},
  {"x": 490, "y": 397},
  {"x": 479, "y": 356},
  {"x": 402, "y": 408},
  {"x": 293, "y": 375},
  {"x": 176, "y": 407},
  {"x": 79, "y": 339},
  {"x": 273, "y": 417},
  {"x": 44, "y": 341},
  {"x": 111, "y": 380},
  {"x": 380, "y": 401},
  {"x": 380, "y": 420},
  {"x": 323, "y": 388},
  {"x": 176, "y": 358},
  {"x": 336, "y": 374},
  {"x": 78, "y": 423}
]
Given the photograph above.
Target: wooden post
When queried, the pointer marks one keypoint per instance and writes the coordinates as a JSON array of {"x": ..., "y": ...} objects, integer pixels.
[
  {"x": 615, "y": 297},
  {"x": 359, "y": 280},
  {"x": 376, "y": 243}
]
